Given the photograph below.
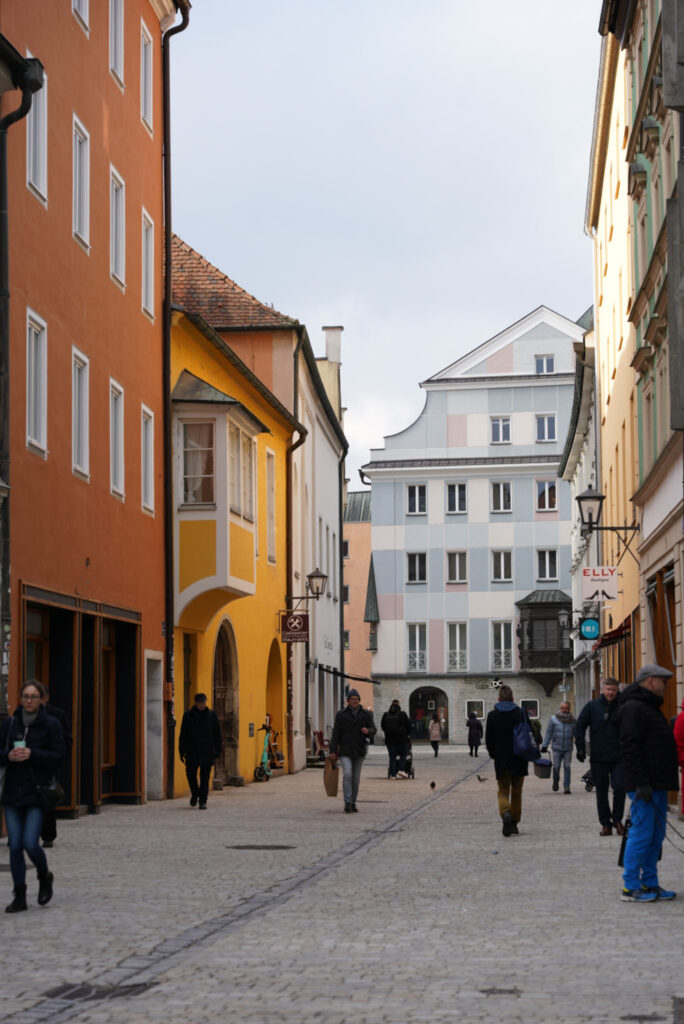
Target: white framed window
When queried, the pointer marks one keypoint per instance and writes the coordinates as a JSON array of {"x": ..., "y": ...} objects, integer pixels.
[
  {"x": 457, "y": 567},
  {"x": 36, "y": 381},
  {"x": 80, "y": 412},
  {"x": 270, "y": 506},
  {"x": 234, "y": 453},
  {"x": 501, "y": 429},
  {"x": 117, "y": 226},
  {"x": 501, "y": 496},
  {"x": 146, "y": 76},
  {"x": 417, "y": 646},
  {"x": 116, "y": 39},
  {"x": 36, "y": 141},
  {"x": 198, "y": 462},
  {"x": 81, "y": 182},
  {"x": 116, "y": 438},
  {"x": 457, "y": 497},
  {"x": 457, "y": 646},
  {"x": 147, "y": 263},
  {"x": 147, "y": 458},
  {"x": 416, "y": 567},
  {"x": 81, "y": 12},
  {"x": 546, "y": 428},
  {"x": 544, "y": 364},
  {"x": 547, "y": 496},
  {"x": 247, "y": 478},
  {"x": 474, "y": 706},
  {"x": 416, "y": 499},
  {"x": 502, "y": 645},
  {"x": 502, "y": 564},
  {"x": 547, "y": 564}
]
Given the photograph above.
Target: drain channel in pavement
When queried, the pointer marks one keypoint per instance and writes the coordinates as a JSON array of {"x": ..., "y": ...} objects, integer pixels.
[
  {"x": 140, "y": 971},
  {"x": 259, "y": 846}
]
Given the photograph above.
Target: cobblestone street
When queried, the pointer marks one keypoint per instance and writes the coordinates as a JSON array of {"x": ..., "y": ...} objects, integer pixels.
[{"x": 415, "y": 909}]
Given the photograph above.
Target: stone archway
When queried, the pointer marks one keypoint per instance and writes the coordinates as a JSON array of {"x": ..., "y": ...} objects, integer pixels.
[
  {"x": 423, "y": 703},
  {"x": 225, "y": 704}
]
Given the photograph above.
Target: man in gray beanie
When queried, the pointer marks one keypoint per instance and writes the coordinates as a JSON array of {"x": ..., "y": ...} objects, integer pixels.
[
  {"x": 351, "y": 734},
  {"x": 649, "y": 754}
]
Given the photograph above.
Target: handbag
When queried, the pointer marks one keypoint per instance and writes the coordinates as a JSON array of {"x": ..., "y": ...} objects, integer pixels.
[
  {"x": 50, "y": 796},
  {"x": 524, "y": 743},
  {"x": 331, "y": 776}
]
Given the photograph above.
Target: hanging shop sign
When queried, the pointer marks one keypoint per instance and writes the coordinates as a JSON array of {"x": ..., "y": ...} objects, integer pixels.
[
  {"x": 294, "y": 627},
  {"x": 600, "y": 583}
]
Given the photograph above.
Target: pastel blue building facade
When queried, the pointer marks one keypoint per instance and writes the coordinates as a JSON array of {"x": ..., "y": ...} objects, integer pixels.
[{"x": 471, "y": 531}]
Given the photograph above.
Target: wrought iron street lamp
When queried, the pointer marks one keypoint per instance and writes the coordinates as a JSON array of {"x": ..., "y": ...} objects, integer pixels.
[
  {"x": 590, "y": 505},
  {"x": 315, "y": 587}
]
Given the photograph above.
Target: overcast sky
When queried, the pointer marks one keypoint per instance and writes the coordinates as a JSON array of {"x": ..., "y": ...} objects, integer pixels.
[{"x": 415, "y": 170}]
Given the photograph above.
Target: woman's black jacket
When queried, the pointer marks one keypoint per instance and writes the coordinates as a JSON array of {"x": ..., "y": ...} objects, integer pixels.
[
  {"x": 347, "y": 740},
  {"x": 45, "y": 739},
  {"x": 649, "y": 751}
]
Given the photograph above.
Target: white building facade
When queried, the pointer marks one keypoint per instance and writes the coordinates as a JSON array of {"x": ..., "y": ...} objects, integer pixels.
[{"x": 471, "y": 532}]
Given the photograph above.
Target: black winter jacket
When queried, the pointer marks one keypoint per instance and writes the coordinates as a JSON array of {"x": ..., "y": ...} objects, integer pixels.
[
  {"x": 396, "y": 726},
  {"x": 600, "y": 716},
  {"x": 200, "y": 736},
  {"x": 45, "y": 740},
  {"x": 649, "y": 751},
  {"x": 347, "y": 740},
  {"x": 499, "y": 742}
]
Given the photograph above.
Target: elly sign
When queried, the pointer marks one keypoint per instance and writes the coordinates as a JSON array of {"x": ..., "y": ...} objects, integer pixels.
[{"x": 600, "y": 583}]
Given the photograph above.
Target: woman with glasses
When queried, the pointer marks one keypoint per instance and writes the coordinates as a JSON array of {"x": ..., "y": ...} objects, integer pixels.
[{"x": 31, "y": 747}]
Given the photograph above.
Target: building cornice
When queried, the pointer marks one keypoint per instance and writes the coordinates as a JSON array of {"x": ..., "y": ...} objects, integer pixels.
[
  {"x": 507, "y": 381},
  {"x": 485, "y": 462},
  {"x": 659, "y": 470},
  {"x": 605, "y": 90}
]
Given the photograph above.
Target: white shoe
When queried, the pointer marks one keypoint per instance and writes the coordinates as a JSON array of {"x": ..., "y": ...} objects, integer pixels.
[{"x": 402, "y": 775}]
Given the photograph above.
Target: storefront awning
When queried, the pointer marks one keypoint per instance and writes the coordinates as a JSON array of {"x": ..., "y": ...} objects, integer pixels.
[{"x": 613, "y": 636}]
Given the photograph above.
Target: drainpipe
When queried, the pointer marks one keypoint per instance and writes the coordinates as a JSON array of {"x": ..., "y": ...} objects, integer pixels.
[
  {"x": 169, "y": 616},
  {"x": 288, "y": 559},
  {"x": 340, "y": 555},
  {"x": 30, "y": 81}
]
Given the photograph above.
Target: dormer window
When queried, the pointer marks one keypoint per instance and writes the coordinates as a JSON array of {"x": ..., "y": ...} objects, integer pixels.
[{"x": 544, "y": 364}]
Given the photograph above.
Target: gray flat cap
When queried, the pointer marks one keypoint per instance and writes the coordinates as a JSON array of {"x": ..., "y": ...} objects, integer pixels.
[{"x": 653, "y": 670}]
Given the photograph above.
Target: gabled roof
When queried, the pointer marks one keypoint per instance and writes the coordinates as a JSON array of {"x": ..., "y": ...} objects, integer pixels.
[
  {"x": 191, "y": 389},
  {"x": 202, "y": 289},
  {"x": 542, "y": 322}
]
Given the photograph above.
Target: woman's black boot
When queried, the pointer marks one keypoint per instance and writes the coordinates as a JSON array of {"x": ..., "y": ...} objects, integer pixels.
[
  {"x": 19, "y": 901},
  {"x": 45, "y": 887}
]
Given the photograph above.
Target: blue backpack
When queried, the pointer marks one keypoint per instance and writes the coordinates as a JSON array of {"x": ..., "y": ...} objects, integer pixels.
[{"x": 524, "y": 743}]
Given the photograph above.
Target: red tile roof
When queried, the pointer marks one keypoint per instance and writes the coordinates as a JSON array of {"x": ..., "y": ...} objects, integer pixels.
[{"x": 201, "y": 289}]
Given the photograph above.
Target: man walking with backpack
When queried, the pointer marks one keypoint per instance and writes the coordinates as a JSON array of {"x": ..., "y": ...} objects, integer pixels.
[{"x": 510, "y": 769}]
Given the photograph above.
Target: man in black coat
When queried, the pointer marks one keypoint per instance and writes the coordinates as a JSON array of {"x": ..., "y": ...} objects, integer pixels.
[
  {"x": 600, "y": 716},
  {"x": 352, "y": 731},
  {"x": 199, "y": 745},
  {"x": 649, "y": 754},
  {"x": 510, "y": 770},
  {"x": 49, "y": 830},
  {"x": 396, "y": 725}
]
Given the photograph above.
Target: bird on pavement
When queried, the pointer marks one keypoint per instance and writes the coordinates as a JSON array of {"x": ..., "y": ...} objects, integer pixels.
[
  {"x": 432, "y": 785},
  {"x": 480, "y": 779}
]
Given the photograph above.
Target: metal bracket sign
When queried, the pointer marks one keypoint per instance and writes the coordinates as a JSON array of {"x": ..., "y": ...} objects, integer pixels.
[
  {"x": 590, "y": 629},
  {"x": 600, "y": 583},
  {"x": 294, "y": 627}
]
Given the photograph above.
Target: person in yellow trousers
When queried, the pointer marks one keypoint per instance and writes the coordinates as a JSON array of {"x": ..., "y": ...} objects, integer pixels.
[{"x": 510, "y": 770}]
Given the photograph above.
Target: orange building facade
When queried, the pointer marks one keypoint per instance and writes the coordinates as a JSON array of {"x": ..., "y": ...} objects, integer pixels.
[{"x": 86, "y": 409}]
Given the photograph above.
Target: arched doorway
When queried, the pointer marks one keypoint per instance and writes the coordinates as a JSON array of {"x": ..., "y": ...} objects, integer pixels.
[
  {"x": 274, "y": 691},
  {"x": 423, "y": 704},
  {"x": 225, "y": 704}
]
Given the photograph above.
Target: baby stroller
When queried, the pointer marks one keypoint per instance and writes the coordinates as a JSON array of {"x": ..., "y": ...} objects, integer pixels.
[
  {"x": 588, "y": 780},
  {"x": 408, "y": 767}
]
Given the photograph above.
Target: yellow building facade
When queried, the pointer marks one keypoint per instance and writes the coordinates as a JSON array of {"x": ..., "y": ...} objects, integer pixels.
[
  {"x": 608, "y": 221},
  {"x": 230, "y": 456}
]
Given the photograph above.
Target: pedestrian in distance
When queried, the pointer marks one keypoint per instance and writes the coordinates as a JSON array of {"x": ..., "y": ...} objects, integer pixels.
[
  {"x": 474, "y": 733},
  {"x": 559, "y": 736},
  {"x": 600, "y": 717},
  {"x": 649, "y": 753},
  {"x": 510, "y": 769},
  {"x": 396, "y": 725},
  {"x": 435, "y": 733},
  {"x": 49, "y": 831},
  {"x": 199, "y": 745},
  {"x": 31, "y": 748},
  {"x": 352, "y": 732},
  {"x": 679, "y": 740}
]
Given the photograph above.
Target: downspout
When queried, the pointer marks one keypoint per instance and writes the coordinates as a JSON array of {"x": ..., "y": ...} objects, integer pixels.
[
  {"x": 30, "y": 82},
  {"x": 288, "y": 563},
  {"x": 169, "y": 617},
  {"x": 340, "y": 556}
]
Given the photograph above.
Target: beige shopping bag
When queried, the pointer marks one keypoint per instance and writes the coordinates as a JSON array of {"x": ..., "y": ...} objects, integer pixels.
[{"x": 331, "y": 777}]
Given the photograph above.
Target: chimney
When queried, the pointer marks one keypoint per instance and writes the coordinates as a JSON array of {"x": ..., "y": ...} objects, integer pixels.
[{"x": 333, "y": 344}]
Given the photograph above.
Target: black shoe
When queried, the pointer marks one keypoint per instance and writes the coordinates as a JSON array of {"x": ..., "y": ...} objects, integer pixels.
[
  {"x": 19, "y": 901},
  {"x": 508, "y": 823},
  {"x": 45, "y": 887},
  {"x": 514, "y": 829},
  {"x": 354, "y": 808},
  {"x": 203, "y": 805},
  {"x": 567, "y": 791},
  {"x": 555, "y": 785},
  {"x": 347, "y": 808},
  {"x": 193, "y": 800},
  {"x": 47, "y": 844}
]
